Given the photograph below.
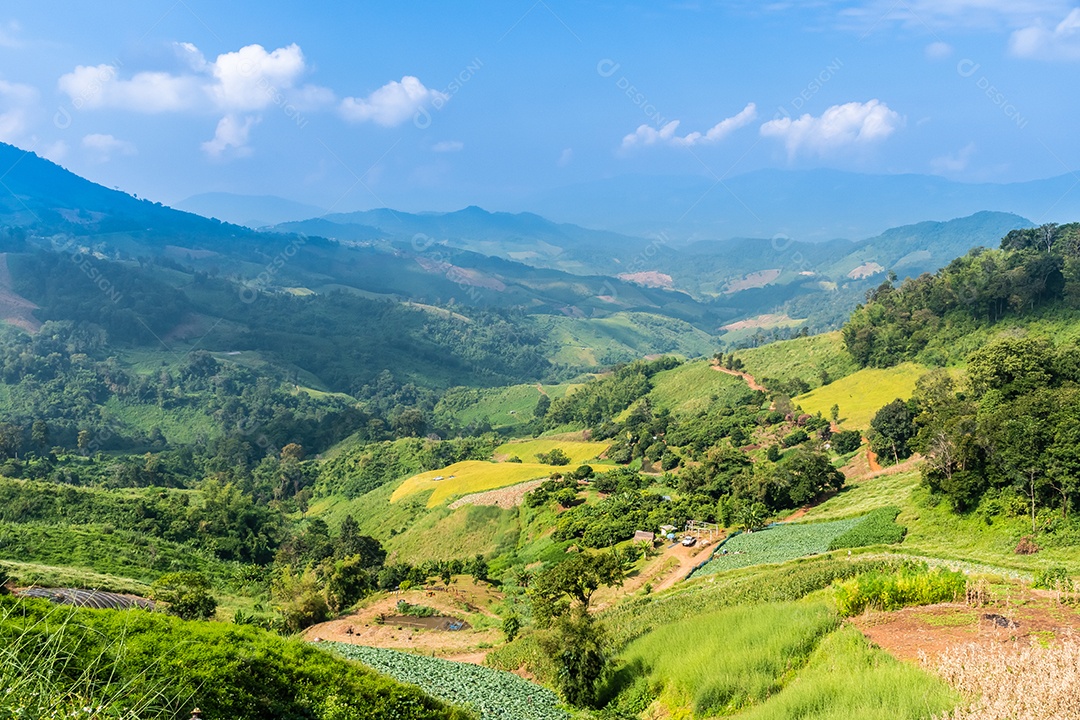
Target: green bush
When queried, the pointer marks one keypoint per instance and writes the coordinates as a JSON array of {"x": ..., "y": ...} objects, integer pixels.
[
  {"x": 420, "y": 611},
  {"x": 876, "y": 528},
  {"x": 1055, "y": 578},
  {"x": 892, "y": 591},
  {"x": 185, "y": 594},
  {"x": 846, "y": 442},
  {"x": 135, "y": 664},
  {"x": 794, "y": 438}
]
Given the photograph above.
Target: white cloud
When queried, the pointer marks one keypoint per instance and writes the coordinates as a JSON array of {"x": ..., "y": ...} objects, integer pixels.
[
  {"x": 393, "y": 103},
  {"x": 448, "y": 146},
  {"x": 246, "y": 79},
  {"x": 938, "y": 50},
  {"x": 566, "y": 157},
  {"x": 99, "y": 86},
  {"x": 648, "y": 135},
  {"x": 1062, "y": 42},
  {"x": 852, "y": 124},
  {"x": 232, "y": 132},
  {"x": 17, "y": 103},
  {"x": 954, "y": 162},
  {"x": 103, "y": 147}
]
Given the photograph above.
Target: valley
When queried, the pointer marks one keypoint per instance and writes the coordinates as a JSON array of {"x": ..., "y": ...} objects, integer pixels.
[{"x": 529, "y": 483}]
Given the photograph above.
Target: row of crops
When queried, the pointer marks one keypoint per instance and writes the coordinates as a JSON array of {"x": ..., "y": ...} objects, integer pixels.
[
  {"x": 789, "y": 541},
  {"x": 491, "y": 694}
]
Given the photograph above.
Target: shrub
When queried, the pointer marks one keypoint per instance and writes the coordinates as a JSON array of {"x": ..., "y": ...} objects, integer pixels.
[
  {"x": 881, "y": 591},
  {"x": 876, "y": 528},
  {"x": 555, "y": 457},
  {"x": 846, "y": 442},
  {"x": 185, "y": 594},
  {"x": 420, "y": 611},
  {"x": 794, "y": 438},
  {"x": 1055, "y": 578}
]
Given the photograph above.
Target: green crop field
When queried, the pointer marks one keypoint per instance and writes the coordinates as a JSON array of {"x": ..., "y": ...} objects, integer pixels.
[
  {"x": 778, "y": 543},
  {"x": 862, "y": 394},
  {"x": 491, "y": 694},
  {"x": 504, "y": 407},
  {"x": 691, "y": 387},
  {"x": 800, "y": 358}
]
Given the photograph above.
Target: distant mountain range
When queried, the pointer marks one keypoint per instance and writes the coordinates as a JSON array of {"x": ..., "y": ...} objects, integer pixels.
[
  {"x": 810, "y": 205},
  {"x": 527, "y": 262},
  {"x": 253, "y": 211}
]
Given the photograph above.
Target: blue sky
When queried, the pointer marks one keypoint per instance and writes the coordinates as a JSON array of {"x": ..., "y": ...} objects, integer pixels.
[{"x": 435, "y": 106}]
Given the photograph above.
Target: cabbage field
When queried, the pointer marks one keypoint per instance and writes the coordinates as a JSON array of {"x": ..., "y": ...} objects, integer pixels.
[
  {"x": 777, "y": 543},
  {"x": 491, "y": 694}
]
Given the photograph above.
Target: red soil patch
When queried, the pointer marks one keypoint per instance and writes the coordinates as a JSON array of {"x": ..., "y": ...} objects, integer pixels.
[{"x": 924, "y": 633}]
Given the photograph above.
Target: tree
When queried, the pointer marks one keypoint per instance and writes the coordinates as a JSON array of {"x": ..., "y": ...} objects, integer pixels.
[
  {"x": 573, "y": 580},
  {"x": 478, "y": 568},
  {"x": 892, "y": 428},
  {"x": 834, "y": 413},
  {"x": 542, "y": 406},
  {"x": 10, "y": 440},
  {"x": 555, "y": 457},
  {"x": 846, "y": 441},
  {"x": 299, "y": 599},
  {"x": 83, "y": 441},
  {"x": 39, "y": 434},
  {"x": 577, "y": 648},
  {"x": 185, "y": 594}
]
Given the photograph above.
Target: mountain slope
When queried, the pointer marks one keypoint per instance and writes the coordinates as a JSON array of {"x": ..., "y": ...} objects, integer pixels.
[{"x": 253, "y": 211}]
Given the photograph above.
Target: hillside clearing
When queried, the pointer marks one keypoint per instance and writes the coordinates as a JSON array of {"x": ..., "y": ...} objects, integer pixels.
[{"x": 861, "y": 394}]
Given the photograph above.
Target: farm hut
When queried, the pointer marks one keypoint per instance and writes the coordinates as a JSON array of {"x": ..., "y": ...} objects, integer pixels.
[
  {"x": 666, "y": 530},
  {"x": 643, "y": 535}
]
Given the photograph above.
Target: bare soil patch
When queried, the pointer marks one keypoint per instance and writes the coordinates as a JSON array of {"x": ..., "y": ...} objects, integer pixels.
[
  {"x": 758, "y": 279},
  {"x": 464, "y": 600},
  {"x": 649, "y": 278},
  {"x": 504, "y": 498},
  {"x": 923, "y": 634}
]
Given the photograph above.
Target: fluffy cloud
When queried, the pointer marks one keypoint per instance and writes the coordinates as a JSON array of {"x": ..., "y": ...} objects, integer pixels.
[
  {"x": 103, "y": 147},
  {"x": 17, "y": 103},
  {"x": 99, "y": 86},
  {"x": 232, "y": 133},
  {"x": 393, "y": 103},
  {"x": 247, "y": 80},
  {"x": 851, "y": 125},
  {"x": 648, "y": 135},
  {"x": 1062, "y": 42}
]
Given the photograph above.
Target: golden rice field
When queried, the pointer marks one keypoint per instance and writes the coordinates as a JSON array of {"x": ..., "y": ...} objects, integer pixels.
[{"x": 578, "y": 451}]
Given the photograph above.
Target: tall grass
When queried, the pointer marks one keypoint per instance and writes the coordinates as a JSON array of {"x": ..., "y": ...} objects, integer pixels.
[
  {"x": 727, "y": 660},
  {"x": 847, "y": 679},
  {"x": 48, "y": 670}
]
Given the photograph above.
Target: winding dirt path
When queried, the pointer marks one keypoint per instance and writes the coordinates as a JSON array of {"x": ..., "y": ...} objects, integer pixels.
[{"x": 754, "y": 384}]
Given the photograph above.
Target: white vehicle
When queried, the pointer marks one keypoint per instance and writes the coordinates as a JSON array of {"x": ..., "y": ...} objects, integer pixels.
[{"x": 689, "y": 541}]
